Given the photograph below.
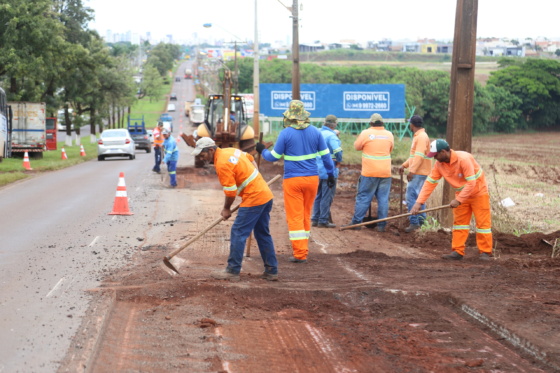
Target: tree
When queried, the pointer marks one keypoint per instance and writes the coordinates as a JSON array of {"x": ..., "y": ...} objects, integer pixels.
[{"x": 152, "y": 82}]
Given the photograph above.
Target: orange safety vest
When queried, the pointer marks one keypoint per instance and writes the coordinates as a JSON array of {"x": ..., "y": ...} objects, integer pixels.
[
  {"x": 376, "y": 144},
  {"x": 418, "y": 161},
  {"x": 239, "y": 177},
  {"x": 158, "y": 138}
]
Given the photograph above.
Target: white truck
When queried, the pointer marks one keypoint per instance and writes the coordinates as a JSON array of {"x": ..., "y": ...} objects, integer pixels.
[{"x": 29, "y": 128}]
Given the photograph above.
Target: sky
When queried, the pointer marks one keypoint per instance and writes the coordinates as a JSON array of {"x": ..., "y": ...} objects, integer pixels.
[{"x": 327, "y": 21}]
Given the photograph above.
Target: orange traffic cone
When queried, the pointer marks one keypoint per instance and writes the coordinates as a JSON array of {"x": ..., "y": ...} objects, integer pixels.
[
  {"x": 82, "y": 151},
  {"x": 64, "y": 156},
  {"x": 120, "y": 207},
  {"x": 26, "y": 163}
]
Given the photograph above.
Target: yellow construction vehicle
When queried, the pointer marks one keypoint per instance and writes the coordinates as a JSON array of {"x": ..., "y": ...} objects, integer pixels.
[{"x": 224, "y": 123}]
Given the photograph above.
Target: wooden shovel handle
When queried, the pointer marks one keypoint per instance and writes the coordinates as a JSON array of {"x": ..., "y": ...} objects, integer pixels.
[
  {"x": 203, "y": 232},
  {"x": 392, "y": 217}
]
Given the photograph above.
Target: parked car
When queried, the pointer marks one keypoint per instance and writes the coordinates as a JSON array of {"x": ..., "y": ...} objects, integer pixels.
[
  {"x": 171, "y": 107},
  {"x": 173, "y": 97},
  {"x": 115, "y": 143},
  {"x": 177, "y": 78}
]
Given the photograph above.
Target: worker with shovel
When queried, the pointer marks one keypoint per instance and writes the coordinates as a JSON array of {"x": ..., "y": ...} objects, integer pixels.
[
  {"x": 238, "y": 175},
  {"x": 465, "y": 175},
  {"x": 419, "y": 166}
]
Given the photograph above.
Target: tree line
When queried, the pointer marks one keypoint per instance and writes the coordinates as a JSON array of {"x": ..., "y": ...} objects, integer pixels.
[
  {"x": 48, "y": 54},
  {"x": 524, "y": 94}
]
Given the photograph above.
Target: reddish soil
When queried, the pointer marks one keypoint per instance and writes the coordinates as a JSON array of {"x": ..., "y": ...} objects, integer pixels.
[{"x": 365, "y": 302}]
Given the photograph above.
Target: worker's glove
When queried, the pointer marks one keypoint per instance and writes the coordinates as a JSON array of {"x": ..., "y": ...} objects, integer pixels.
[
  {"x": 331, "y": 181},
  {"x": 260, "y": 147}
]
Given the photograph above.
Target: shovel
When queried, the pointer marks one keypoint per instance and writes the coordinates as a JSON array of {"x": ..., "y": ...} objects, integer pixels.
[
  {"x": 168, "y": 257},
  {"x": 248, "y": 251},
  {"x": 392, "y": 217},
  {"x": 370, "y": 218}
]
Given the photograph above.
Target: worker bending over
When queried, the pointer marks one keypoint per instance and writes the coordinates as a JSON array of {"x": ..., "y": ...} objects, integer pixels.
[
  {"x": 465, "y": 175},
  {"x": 238, "y": 175}
]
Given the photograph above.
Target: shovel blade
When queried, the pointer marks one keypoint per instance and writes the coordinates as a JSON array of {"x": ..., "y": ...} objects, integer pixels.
[{"x": 172, "y": 265}]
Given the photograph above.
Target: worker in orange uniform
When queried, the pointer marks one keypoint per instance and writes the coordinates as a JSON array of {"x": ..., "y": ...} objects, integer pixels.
[
  {"x": 419, "y": 166},
  {"x": 300, "y": 144},
  {"x": 376, "y": 144},
  {"x": 158, "y": 145},
  {"x": 239, "y": 176},
  {"x": 465, "y": 175}
]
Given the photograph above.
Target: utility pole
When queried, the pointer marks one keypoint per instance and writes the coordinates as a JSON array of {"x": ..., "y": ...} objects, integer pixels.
[
  {"x": 295, "y": 52},
  {"x": 256, "y": 80},
  {"x": 461, "y": 94}
]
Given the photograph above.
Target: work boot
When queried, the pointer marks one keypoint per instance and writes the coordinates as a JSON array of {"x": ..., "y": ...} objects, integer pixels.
[
  {"x": 412, "y": 227},
  {"x": 354, "y": 228},
  {"x": 453, "y": 256},
  {"x": 326, "y": 225},
  {"x": 296, "y": 260},
  {"x": 269, "y": 276},
  {"x": 313, "y": 223},
  {"x": 484, "y": 256},
  {"x": 380, "y": 229},
  {"x": 225, "y": 275}
]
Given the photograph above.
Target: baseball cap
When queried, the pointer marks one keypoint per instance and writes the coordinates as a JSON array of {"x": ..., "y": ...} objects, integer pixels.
[
  {"x": 416, "y": 120},
  {"x": 203, "y": 143},
  {"x": 165, "y": 132},
  {"x": 331, "y": 119},
  {"x": 436, "y": 146},
  {"x": 376, "y": 118}
]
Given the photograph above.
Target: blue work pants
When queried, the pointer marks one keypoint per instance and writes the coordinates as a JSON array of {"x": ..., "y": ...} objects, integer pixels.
[
  {"x": 172, "y": 169},
  {"x": 369, "y": 187},
  {"x": 257, "y": 219},
  {"x": 157, "y": 155},
  {"x": 412, "y": 191},
  {"x": 322, "y": 205}
]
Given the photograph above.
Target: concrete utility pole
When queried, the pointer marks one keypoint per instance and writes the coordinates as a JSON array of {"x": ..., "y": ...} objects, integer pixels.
[
  {"x": 295, "y": 52},
  {"x": 461, "y": 95},
  {"x": 256, "y": 79}
]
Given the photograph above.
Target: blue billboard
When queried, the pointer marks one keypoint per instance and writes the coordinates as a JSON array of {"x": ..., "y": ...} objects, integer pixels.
[{"x": 357, "y": 101}]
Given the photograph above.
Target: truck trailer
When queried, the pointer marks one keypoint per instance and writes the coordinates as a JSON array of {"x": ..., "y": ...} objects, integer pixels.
[{"x": 29, "y": 128}]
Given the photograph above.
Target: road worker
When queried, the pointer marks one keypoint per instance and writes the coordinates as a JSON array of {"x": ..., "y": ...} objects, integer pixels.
[
  {"x": 376, "y": 145},
  {"x": 465, "y": 175},
  {"x": 171, "y": 156},
  {"x": 239, "y": 176},
  {"x": 419, "y": 166},
  {"x": 158, "y": 143},
  {"x": 322, "y": 206},
  {"x": 300, "y": 143}
]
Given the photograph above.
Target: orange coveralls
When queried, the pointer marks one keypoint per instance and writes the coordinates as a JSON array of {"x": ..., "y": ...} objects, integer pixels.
[{"x": 465, "y": 175}]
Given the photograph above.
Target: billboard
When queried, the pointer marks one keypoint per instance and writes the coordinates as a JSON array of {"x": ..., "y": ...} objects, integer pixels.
[{"x": 357, "y": 101}]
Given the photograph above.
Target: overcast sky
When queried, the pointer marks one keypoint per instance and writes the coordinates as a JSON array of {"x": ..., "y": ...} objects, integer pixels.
[{"x": 322, "y": 20}]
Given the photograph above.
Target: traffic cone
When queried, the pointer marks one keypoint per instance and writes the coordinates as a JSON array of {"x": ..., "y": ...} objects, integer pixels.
[
  {"x": 64, "y": 156},
  {"x": 120, "y": 207},
  {"x": 26, "y": 163},
  {"x": 82, "y": 151}
]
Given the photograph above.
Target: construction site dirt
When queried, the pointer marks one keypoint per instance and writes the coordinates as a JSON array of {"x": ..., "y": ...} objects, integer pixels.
[{"x": 365, "y": 301}]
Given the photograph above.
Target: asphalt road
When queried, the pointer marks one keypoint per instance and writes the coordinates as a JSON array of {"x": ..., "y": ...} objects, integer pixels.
[{"x": 58, "y": 241}]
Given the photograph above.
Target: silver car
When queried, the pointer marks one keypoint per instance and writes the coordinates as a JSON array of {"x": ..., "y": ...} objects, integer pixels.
[{"x": 115, "y": 143}]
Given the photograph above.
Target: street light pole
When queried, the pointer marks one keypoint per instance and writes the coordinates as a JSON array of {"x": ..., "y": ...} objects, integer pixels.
[
  {"x": 295, "y": 52},
  {"x": 256, "y": 79}
]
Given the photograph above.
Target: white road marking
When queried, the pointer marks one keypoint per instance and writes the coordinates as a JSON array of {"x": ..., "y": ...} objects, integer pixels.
[
  {"x": 94, "y": 241},
  {"x": 55, "y": 287}
]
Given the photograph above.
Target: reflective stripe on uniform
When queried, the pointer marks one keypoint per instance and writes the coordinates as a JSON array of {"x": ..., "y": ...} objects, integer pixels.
[
  {"x": 298, "y": 235},
  {"x": 276, "y": 155},
  {"x": 432, "y": 181},
  {"x": 475, "y": 176},
  {"x": 377, "y": 158},
  {"x": 230, "y": 188},
  {"x": 295, "y": 158},
  {"x": 483, "y": 230},
  {"x": 461, "y": 227},
  {"x": 421, "y": 155},
  {"x": 251, "y": 177}
]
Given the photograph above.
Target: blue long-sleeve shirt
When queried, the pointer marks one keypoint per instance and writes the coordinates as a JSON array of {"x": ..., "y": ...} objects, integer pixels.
[
  {"x": 171, "y": 151},
  {"x": 335, "y": 148},
  {"x": 300, "y": 148}
]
